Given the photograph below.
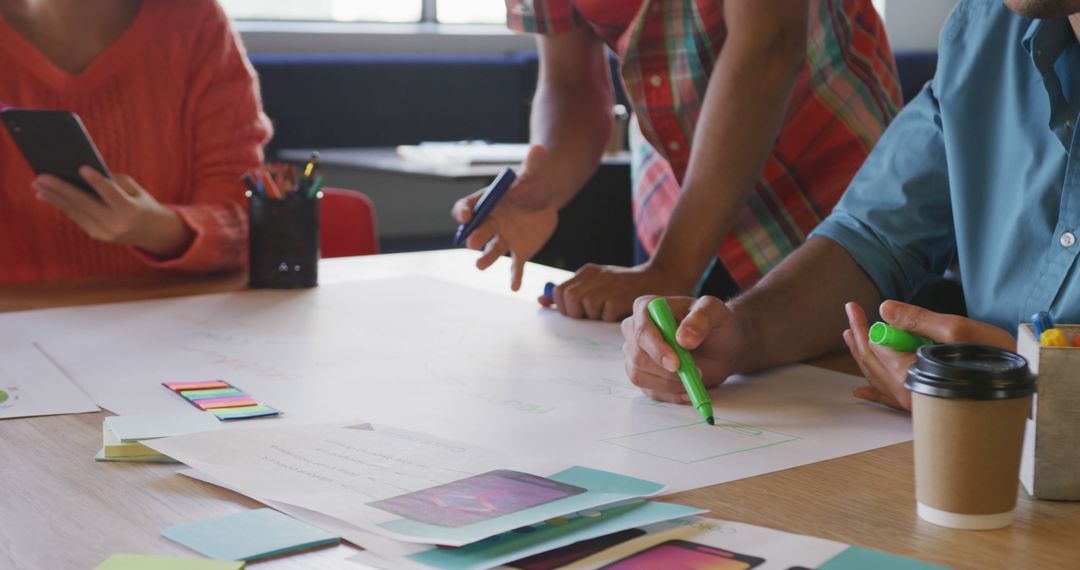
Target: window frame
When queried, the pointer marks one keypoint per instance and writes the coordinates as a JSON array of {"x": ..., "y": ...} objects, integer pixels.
[{"x": 289, "y": 36}]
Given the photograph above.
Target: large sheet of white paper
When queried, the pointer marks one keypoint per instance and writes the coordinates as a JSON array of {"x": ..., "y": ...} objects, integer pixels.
[
  {"x": 447, "y": 359},
  {"x": 30, "y": 385}
]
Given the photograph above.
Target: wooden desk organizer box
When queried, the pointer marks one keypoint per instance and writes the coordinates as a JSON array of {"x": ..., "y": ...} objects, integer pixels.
[{"x": 1050, "y": 468}]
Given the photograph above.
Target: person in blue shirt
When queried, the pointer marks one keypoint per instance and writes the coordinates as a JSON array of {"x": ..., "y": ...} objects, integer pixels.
[{"x": 977, "y": 169}]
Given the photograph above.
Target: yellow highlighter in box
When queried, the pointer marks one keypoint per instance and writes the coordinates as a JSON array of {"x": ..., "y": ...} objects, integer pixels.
[
  {"x": 1046, "y": 332},
  {"x": 1053, "y": 337}
]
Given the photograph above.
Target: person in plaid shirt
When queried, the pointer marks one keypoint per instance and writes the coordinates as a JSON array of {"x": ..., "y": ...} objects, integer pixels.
[{"x": 751, "y": 119}]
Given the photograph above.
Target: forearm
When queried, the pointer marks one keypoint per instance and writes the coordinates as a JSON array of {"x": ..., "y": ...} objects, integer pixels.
[
  {"x": 797, "y": 311},
  {"x": 571, "y": 112},
  {"x": 164, "y": 234},
  {"x": 741, "y": 116}
]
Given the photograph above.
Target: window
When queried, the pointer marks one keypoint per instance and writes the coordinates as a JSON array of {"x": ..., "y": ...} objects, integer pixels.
[
  {"x": 471, "y": 11},
  {"x": 392, "y": 11},
  {"x": 395, "y": 11}
]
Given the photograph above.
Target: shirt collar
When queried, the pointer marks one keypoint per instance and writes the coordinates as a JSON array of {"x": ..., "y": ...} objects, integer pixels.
[{"x": 1045, "y": 40}]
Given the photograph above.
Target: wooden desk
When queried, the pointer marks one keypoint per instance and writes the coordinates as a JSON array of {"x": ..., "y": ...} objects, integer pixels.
[{"x": 59, "y": 509}]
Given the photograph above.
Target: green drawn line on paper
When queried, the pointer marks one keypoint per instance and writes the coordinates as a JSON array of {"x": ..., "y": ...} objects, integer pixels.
[
  {"x": 3, "y": 396},
  {"x": 742, "y": 429}
]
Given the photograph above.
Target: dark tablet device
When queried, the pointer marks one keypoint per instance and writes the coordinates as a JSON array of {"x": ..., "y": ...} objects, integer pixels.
[{"x": 54, "y": 142}]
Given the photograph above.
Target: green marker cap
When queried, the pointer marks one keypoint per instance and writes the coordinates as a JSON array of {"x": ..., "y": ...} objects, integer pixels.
[
  {"x": 899, "y": 340},
  {"x": 664, "y": 320}
]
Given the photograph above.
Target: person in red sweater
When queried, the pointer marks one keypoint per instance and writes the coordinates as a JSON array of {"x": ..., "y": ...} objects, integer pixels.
[{"x": 168, "y": 96}]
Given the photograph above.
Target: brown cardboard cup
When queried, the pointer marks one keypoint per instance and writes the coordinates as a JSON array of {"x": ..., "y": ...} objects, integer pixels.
[{"x": 969, "y": 403}]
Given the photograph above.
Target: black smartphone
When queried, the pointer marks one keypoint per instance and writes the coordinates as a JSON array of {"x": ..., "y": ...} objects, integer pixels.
[{"x": 56, "y": 143}]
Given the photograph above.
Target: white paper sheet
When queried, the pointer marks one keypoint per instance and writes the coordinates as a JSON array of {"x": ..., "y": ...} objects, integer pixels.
[
  {"x": 461, "y": 363},
  {"x": 31, "y": 385},
  {"x": 342, "y": 469}
]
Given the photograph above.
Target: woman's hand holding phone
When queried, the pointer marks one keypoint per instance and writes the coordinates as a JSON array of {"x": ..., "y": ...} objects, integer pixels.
[{"x": 126, "y": 213}]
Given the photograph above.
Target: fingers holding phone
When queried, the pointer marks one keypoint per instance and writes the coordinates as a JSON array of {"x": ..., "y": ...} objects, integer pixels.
[
  {"x": 72, "y": 176},
  {"x": 125, "y": 212}
]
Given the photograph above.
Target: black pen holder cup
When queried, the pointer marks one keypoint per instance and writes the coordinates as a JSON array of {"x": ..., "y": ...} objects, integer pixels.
[{"x": 283, "y": 239}]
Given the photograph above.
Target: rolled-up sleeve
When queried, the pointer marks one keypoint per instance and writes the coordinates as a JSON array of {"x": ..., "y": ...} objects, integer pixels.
[
  {"x": 542, "y": 16},
  {"x": 895, "y": 218}
]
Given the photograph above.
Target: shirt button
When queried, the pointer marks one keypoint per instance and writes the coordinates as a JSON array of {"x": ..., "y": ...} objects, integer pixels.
[
  {"x": 656, "y": 80},
  {"x": 1067, "y": 239},
  {"x": 674, "y": 146}
]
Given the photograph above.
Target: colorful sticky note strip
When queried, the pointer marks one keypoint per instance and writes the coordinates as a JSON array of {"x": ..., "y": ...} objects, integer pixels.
[
  {"x": 142, "y": 562},
  {"x": 249, "y": 535},
  {"x": 204, "y": 385},
  {"x": 229, "y": 402},
  {"x": 215, "y": 393},
  {"x": 244, "y": 413}
]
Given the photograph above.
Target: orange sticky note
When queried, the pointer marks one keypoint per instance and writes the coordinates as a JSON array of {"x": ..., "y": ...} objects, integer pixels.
[
  {"x": 204, "y": 385},
  {"x": 232, "y": 402}
]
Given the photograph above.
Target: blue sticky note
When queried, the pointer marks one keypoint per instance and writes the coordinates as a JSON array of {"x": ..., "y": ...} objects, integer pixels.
[
  {"x": 243, "y": 413},
  {"x": 856, "y": 558},
  {"x": 551, "y": 535},
  {"x": 249, "y": 535}
]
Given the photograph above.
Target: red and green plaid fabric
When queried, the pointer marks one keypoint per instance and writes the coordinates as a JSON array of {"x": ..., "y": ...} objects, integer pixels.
[{"x": 844, "y": 97}]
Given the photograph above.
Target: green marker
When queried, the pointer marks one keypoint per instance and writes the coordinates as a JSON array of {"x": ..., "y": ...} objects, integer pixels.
[
  {"x": 315, "y": 187},
  {"x": 688, "y": 372},
  {"x": 896, "y": 339}
]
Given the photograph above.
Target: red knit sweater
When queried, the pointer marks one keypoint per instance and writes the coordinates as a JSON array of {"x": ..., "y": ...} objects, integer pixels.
[{"x": 175, "y": 104}]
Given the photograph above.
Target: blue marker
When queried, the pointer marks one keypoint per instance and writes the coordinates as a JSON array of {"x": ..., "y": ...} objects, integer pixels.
[
  {"x": 549, "y": 290},
  {"x": 1042, "y": 322},
  {"x": 486, "y": 204}
]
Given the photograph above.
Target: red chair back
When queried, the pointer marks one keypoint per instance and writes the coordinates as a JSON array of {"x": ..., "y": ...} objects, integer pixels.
[{"x": 347, "y": 220}]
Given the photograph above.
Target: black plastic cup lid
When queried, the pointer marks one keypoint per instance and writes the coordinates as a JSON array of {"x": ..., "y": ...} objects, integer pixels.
[{"x": 969, "y": 372}]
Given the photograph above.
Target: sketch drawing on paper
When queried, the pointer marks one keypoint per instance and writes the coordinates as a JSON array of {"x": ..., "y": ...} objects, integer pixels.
[{"x": 701, "y": 442}]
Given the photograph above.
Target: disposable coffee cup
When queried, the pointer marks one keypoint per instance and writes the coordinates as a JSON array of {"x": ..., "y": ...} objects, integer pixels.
[{"x": 970, "y": 403}]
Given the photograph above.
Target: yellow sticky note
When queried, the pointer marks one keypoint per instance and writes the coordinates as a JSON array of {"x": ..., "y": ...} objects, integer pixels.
[{"x": 145, "y": 562}]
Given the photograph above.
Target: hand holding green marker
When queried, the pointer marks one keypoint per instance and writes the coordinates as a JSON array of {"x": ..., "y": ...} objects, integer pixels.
[
  {"x": 661, "y": 315},
  {"x": 896, "y": 339}
]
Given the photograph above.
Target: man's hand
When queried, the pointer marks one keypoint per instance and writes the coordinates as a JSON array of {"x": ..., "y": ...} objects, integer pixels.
[
  {"x": 522, "y": 222},
  {"x": 885, "y": 369},
  {"x": 706, "y": 327},
  {"x": 607, "y": 292},
  {"x": 126, "y": 213}
]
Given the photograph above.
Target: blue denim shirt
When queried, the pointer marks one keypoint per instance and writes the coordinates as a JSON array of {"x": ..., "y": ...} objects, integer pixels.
[{"x": 978, "y": 168}]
